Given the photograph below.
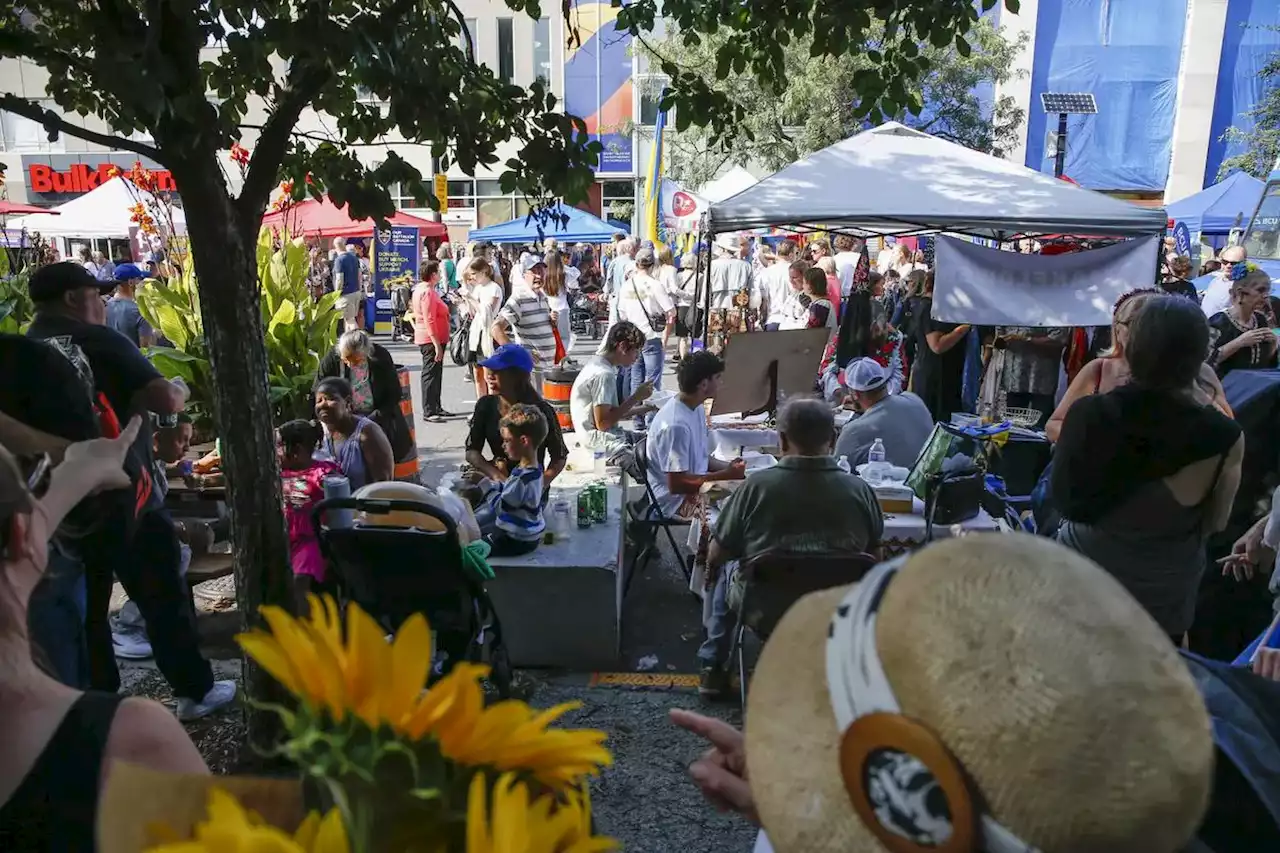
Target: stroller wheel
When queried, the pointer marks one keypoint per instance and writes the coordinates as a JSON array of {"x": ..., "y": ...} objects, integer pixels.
[{"x": 500, "y": 671}]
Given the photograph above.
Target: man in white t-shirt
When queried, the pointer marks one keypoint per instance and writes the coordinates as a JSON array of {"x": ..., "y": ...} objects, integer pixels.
[
  {"x": 1217, "y": 296},
  {"x": 848, "y": 253},
  {"x": 679, "y": 458},
  {"x": 593, "y": 402},
  {"x": 777, "y": 285}
]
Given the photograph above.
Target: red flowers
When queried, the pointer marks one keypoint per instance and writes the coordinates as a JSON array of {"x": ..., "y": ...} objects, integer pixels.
[{"x": 239, "y": 154}]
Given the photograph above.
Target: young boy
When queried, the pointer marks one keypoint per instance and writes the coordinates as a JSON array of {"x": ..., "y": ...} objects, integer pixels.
[{"x": 511, "y": 514}]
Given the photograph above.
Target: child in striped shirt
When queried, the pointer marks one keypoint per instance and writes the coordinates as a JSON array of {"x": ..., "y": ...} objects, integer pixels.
[{"x": 511, "y": 517}]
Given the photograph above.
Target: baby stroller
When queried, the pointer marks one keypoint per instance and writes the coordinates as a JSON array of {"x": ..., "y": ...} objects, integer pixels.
[
  {"x": 393, "y": 571},
  {"x": 400, "y": 330}
]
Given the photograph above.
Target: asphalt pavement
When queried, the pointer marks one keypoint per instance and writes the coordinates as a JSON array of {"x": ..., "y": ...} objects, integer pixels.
[{"x": 645, "y": 800}]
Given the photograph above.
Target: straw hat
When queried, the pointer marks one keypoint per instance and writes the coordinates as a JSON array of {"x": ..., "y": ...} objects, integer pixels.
[{"x": 1075, "y": 723}]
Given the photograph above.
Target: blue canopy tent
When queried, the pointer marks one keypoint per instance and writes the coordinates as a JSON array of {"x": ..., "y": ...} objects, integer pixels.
[
  {"x": 581, "y": 227},
  {"x": 1223, "y": 206}
]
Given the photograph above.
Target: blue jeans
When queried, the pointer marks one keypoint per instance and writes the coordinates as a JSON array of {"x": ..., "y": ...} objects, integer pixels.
[
  {"x": 648, "y": 368},
  {"x": 55, "y": 619},
  {"x": 714, "y": 650}
]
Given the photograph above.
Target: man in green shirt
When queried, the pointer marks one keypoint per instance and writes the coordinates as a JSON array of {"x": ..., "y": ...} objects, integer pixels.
[{"x": 804, "y": 505}]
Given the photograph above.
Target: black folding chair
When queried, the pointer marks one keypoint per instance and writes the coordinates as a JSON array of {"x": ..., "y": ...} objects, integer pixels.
[
  {"x": 775, "y": 580},
  {"x": 393, "y": 572},
  {"x": 645, "y": 517}
]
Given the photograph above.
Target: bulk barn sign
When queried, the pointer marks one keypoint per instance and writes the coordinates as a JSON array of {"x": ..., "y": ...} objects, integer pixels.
[{"x": 73, "y": 175}]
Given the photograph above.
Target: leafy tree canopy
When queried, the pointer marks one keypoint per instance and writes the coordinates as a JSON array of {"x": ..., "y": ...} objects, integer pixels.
[
  {"x": 1261, "y": 142},
  {"x": 821, "y": 103}
]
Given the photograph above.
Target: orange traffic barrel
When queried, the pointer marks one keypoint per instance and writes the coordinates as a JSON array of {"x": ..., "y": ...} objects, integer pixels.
[
  {"x": 407, "y": 468},
  {"x": 557, "y": 385}
]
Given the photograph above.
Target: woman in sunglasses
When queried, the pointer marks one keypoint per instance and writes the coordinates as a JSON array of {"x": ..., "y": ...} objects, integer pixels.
[{"x": 57, "y": 743}]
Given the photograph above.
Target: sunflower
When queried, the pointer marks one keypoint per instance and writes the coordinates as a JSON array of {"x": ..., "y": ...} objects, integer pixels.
[
  {"x": 230, "y": 828},
  {"x": 382, "y": 683},
  {"x": 519, "y": 824}
]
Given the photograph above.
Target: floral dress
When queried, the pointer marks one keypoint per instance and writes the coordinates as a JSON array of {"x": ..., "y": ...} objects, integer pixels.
[{"x": 303, "y": 489}]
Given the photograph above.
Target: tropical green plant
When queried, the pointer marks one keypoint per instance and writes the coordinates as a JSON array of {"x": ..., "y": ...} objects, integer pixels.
[
  {"x": 16, "y": 307},
  {"x": 298, "y": 329},
  {"x": 172, "y": 308}
]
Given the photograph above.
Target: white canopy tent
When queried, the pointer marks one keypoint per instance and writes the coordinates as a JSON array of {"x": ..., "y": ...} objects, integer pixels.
[
  {"x": 101, "y": 212},
  {"x": 727, "y": 185},
  {"x": 895, "y": 180}
]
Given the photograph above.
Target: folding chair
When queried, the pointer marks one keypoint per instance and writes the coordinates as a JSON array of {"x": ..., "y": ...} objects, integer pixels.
[
  {"x": 775, "y": 580},
  {"x": 645, "y": 518}
]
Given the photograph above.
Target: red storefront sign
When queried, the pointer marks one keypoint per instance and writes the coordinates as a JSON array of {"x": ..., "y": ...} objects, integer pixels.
[{"x": 81, "y": 178}]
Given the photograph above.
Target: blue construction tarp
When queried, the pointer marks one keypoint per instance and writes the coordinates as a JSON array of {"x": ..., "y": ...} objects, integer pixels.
[
  {"x": 1248, "y": 43},
  {"x": 1127, "y": 54},
  {"x": 1221, "y": 207},
  {"x": 581, "y": 227}
]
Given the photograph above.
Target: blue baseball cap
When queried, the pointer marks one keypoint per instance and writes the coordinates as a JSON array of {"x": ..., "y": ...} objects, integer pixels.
[
  {"x": 509, "y": 356},
  {"x": 124, "y": 272}
]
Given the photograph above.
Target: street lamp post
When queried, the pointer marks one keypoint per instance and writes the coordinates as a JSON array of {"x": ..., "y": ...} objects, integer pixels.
[{"x": 1065, "y": 104}]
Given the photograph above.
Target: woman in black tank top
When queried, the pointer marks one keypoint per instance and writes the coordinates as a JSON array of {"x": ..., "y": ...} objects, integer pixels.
[{"x": 55, "y": 742}]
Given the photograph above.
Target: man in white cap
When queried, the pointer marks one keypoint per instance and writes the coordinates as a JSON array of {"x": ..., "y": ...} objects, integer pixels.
[
  {"x": 1217, "y": 296},
  {"x": 901, "y": 421}
]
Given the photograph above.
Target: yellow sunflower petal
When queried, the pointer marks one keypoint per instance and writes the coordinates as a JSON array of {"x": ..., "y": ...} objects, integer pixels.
[
  {"x": 368, "y": 662},
  {"x": 446, "y": 700},
  {"x": 305, "y": 834},
  {"x": 410, "y": 663},
  {"x": 269, "y": 654},
  {"x": 329, "y": 666},
  {"x": 332, "y": 837},
  {"x": 477, "y": 816},
  {"x": 299, "y": 648}
]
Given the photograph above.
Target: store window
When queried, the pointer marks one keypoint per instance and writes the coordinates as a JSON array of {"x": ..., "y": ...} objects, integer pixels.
[
  {"x": 618, "y": 201},
  {"x": 650, "y": 88},
  {"x": 462, "y": 194},
  {"x": 18, "y": 133},
  {"x": 506, "y": 51},
  {"x": 470, "y": 34},
  {"x": 542, "y": 50}
]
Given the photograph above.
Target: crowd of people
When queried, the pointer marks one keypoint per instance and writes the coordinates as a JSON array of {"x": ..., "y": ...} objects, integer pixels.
[{"x": 1146, "y": 466}]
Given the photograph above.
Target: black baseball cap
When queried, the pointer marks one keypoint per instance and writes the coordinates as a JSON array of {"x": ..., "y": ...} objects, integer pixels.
[{"x": 51, "y": 281}]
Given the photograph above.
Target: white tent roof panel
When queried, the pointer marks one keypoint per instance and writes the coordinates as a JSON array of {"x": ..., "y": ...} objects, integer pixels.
[
  {"x": 101, "y": 212},
  {"x": 895, "y": 180}
]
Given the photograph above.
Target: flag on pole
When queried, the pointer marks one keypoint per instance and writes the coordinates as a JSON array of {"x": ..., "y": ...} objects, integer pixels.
[{"x": 653, "y": 229}]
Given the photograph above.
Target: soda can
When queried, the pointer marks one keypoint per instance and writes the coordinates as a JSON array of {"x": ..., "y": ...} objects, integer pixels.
[
  {"x": 584, "y": 508},
  {"x": 599, "y": 504}
]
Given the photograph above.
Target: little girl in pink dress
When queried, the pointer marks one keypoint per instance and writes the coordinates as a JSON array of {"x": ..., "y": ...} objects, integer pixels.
[{"x": 303, "y": 480}]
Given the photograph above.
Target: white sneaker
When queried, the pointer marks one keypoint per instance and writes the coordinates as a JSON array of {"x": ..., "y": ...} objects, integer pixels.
[
  {"x": 221, "y": 694},
  {"x": 131, "y": 646}
]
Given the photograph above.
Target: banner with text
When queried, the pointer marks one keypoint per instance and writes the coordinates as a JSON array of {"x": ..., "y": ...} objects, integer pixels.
[
  {"x": 395, "y": 263},
  {"x": 988, "y": 287}
]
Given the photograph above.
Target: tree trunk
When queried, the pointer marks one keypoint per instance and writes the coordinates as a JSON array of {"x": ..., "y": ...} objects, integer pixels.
[{"x": 224, "y": 251}]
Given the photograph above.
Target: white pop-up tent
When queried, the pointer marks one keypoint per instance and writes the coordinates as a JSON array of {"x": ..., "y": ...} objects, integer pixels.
[
  {"x": 895, "y": 180},
  {"x": 727, "y": 185},
  {"x": 102, "y": 212}
]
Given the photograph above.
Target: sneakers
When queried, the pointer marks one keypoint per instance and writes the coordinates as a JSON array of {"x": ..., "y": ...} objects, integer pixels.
[
  {"x": 433, "y": 419},
  {"x": 129, "y": 646},
  {"x": 714, "y": 682},
  {"x": 220, "y": 695}
]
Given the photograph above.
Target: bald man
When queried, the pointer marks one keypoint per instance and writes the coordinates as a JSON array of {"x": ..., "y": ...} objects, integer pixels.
[{"x": 1217, "y": 296}]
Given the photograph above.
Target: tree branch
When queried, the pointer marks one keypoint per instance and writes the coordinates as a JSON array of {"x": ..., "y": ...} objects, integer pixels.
[
  {"x": 27, "y": 109},
  {"x": 269, "y": 150},
  {"x": 462, "y": 22}
]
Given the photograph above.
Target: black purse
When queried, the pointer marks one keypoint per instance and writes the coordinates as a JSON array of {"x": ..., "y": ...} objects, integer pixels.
[
  {"x": 458, "y": 346},
  {"x": 952, "y": 498}
]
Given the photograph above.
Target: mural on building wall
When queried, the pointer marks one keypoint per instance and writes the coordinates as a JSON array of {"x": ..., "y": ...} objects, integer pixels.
[
  {"x": 1248, "y": 42},
  {"x": 598, "y": 85},
  {"x": 1128, "y": 55}
]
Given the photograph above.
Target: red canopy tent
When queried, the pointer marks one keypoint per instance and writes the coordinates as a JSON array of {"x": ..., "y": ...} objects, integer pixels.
[
  {"x": 13, "y": 208},
  {"x": 323, "y": 218}
]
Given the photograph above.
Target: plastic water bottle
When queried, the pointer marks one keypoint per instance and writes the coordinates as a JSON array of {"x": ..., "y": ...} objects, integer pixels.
[
  {"x": 843, "y": 464},
  {"x": 876, "y": 453},
  {"x": 598, "y": 463},
  {"x": 338, "y": 486},
  {"x": 876, "y": 466}
]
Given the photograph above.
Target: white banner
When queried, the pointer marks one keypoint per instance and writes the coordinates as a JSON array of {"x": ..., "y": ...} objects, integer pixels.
[
  {"x": 680, "y": 208},
  {"x": 988, "y": 287}
]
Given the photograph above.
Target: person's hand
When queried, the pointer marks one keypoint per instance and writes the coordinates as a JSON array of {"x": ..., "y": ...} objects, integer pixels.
[
  {"x": 555, "y": 317},
  {"x": 101, "y": 460},
  {"x": 439, "y": 353},
  {"x": 721, "y": 772},
  {"x": 1266, "y": 663},
  {"x": 1260, "y": 335},
  {"x": 643, "y": 392},
  {"x": 737, "y": 470}
]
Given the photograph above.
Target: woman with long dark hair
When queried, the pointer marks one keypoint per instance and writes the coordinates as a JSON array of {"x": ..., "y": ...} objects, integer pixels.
[
  {"x": 1143, "y": 474},
  {"x": 938, "y": 373}
]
